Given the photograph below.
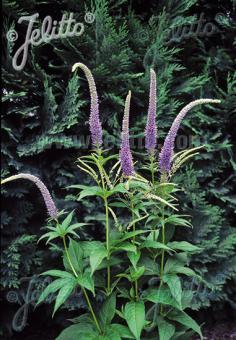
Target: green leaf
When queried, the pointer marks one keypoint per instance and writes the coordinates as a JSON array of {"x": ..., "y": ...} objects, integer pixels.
[
  {"x": 136, "y": 221},
  {"x": 78, "y": 331},
  {"x": 108, "y": 336},
  {"x": 178, "y": 220},
  {"x": 108, "y": 310},
  {"x": 161, "y": 295},
  {"x": 96, "y": 257},
  {"x": 86, "y": 281},
  {"x": 118, "y": 204},
  {"x": 172, "y": 263},
  {"x": 64, "y": 293},
  {"x": 120, "y": 188},
  {"x": 106, "y": 159},
  {"x": 65, "y": 224},
  {"x": 76, "y": 254},
  {"x": 184, "y": 246},
  {"x": 123, "y": 331},
  {"x": 52, "y": 288},
  {"x": 133, "y": 184},
  {"x": 155, "y": 245},
  {"x": 185, "y": 320},
  {"x": 58, "y": 273},
  {"x": 151, "y": 267},
  {"x": 134, "y": 257},
  {"x": 91, "y": 191},
  {"x": 166, "y": 330},
  {"x": 125, "y": 246},
  {"x": 183, "y": 335},
  {"x": 155, "y": 197},
  {"x": 167, "y": 187},
  {"x": 136, "y": 273},
  {"x": 128, "y": 235},
  {"x": 174, "y": 283},
  {"x": 187, "y": 297},
  {"x": 75, "y": 226},
  {"x": 172, "y": 267},
  {"x": 134, "y": 314},
  {"x": 89, "y": 246},
  {"x": 51, "y": 235}
]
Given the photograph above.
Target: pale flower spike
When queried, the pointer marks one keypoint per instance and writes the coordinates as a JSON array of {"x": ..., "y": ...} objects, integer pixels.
[
  {"x": 151, "y": 128},
  {"x": 168, "y": 147},
  {"x": 51, "y": 207},
  {"x": 125, "y": 152},
  {"x": 94, "y": 121}
]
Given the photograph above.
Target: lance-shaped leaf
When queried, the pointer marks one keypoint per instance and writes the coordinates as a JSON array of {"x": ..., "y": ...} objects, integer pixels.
[
  {"x": 186, "y": 320},
  {"x": 64, "y": 293},
  {"x": 108, "y": 310},
  {"x": 96, "y": 258},
  {"x": 165, "y": 329},
  {"x": 134, "y": 314}
]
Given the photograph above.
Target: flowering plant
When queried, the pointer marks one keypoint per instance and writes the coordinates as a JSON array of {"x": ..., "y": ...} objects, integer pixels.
[{"x": 136, "y": 271}]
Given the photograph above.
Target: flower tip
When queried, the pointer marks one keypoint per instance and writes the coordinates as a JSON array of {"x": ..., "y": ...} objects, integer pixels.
[
  {"x": 152, "y": 72},
  {"x": 75, "y": 66}
]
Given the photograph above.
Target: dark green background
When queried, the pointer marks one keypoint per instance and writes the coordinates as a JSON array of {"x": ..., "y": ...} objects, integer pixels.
[{"x": 44, "y": 129}]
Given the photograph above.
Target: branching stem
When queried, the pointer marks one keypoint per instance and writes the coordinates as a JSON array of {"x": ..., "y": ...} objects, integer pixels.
[{"x": 83, "y": 289}]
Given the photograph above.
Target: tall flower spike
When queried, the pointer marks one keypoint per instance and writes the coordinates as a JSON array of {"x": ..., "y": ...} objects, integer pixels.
[
  {"x": 168, "y": 147},
  {"x": 151, "y": 129},
  {"x": 125, "y": 153},
  {"x": 51, "y": 208},
  {"x": 94, "y": 121}
]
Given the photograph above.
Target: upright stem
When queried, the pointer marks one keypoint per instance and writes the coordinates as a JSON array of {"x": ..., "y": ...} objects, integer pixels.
[
  {"x": 108, "y": 247},
  {"x": 91, "y": 310},
  {"x": 152, "y": 168},
  {"x": 134, "y": 228},
  {"x": 101, "y": 171},
  {"x": 83, "y": 289},
  {"x": 162, "y": 253}
]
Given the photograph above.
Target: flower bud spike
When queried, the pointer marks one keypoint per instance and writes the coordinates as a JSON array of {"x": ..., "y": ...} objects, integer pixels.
[
  {"x": 125, "y": 152},
  {"x": 168, "y": 147},
  {"x": 50, "y": 205},
  {"x": 151, "y": 128},
  {"x": 94, "y": 121}
]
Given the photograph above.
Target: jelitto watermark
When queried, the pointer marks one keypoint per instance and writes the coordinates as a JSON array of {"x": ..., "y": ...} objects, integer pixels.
[{"x": 50, "y": 30}]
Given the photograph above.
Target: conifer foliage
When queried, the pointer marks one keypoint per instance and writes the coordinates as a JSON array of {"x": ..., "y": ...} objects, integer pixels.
[{"x": 45, "y": 125}]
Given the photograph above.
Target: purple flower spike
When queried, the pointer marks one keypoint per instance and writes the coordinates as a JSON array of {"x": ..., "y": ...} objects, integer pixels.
[
  {"x": 168, "y": 147},
  {"x": 125, "y": 153},
  {"x": 151, "y": 129},
  {"x": 51, "y": 208},
  {"x": 94, "y": 121}
]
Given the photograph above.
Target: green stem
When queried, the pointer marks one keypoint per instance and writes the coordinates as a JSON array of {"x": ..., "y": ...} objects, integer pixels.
[
  {"x": 91, "y": 310},
  {"x": 162, "y": 254},
  {"x": 136, "y": 289},
  {"x": 108, "y": 246},
  {"x": 68, "y": 257},
  {"x": 83, "y": 289},
  {"x": 152, "y": 168},
  {"x": 101, "y": 171},
  {"x": 134, "y": 229}
]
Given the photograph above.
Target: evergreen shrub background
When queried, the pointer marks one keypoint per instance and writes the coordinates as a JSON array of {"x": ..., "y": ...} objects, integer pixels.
[{"x": 44, "y": 130}]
